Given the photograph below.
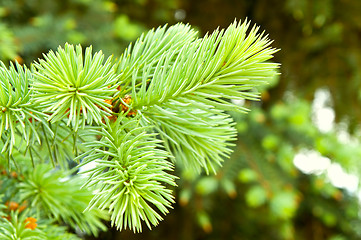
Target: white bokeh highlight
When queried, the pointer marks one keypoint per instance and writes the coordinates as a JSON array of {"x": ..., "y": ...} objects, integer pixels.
[
  {"x": 309, "y": 161},
  {"x": 312, "y": 162},
  {"x": 323, "y": 115}
]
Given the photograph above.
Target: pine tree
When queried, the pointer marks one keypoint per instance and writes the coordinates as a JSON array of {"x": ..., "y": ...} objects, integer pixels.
[{"x": 127, "y": 121}]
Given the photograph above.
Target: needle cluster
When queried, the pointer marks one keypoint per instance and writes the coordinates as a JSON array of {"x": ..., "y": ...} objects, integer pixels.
[{"x": 163, "y": 102}]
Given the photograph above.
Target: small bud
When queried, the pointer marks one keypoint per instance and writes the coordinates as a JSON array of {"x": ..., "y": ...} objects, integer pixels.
[
  {"x": 14, "y": 174},
  {"x": 31, "y": 219},
  {"x": 12, "y": 206},
  {"x": 30, "y": 223},
  {"x": 22, "y": 207},
  {"x": 8, "y": 217}
]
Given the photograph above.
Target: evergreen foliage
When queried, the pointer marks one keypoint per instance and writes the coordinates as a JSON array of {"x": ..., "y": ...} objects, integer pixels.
[
  {"x": 163, "y": 102},
  {"x": 41, "y": 202},
  {"x": 259, "y": 186}
]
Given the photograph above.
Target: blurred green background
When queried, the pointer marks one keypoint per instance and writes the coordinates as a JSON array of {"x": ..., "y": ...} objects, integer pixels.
[{"x": 309, "y": 116}]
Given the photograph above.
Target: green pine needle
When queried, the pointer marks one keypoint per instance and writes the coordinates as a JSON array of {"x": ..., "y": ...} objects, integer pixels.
[
  {"x": 165, "y": 99},
  {"x": 15, "y": 229},
  {"x": 225, "y": 65},
  {"x": 131, "y": 173},
  {"x": 200, "y": 145},
  {"x": 61, "y": 197},
  {"x": 67, "y": 85},
  {"x": 17, "y": 109},
  {"x": 150, "y": 47}
]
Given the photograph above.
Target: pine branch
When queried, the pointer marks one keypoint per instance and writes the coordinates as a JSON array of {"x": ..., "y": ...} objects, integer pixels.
[
  {"x": 69, "y": 86},
  {"x": 61, "y": 197},
  {"x": 17, "y": 108},
  {"x": 16, "y": 228},
  {"x": 200, "y": 145},
  {"x": 131, "y": 173},
  {"x": 150, "y": 47},
  {"x": 202, "y": 76},
  {"x": 165, "y": 98},
  {"x": 225, "y": 65}
]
